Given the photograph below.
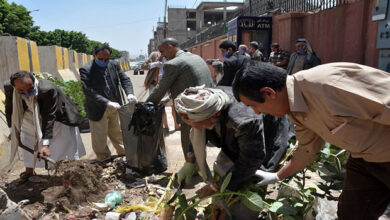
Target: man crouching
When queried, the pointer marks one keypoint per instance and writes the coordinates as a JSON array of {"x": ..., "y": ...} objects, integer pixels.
[{"x": 248, "y": 141}]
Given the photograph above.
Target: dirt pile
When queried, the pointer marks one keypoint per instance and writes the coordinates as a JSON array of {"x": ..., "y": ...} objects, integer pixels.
[{"x": 75, "y": 183}]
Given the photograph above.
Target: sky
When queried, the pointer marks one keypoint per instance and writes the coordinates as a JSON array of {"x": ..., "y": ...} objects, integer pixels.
[{"x": 124, "y": 24}]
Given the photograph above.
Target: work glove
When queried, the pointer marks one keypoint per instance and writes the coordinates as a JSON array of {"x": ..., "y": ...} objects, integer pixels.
[
  {"x": 267, "y": 177},
  {"x": 154, "y": 65},
  {"x": 132, "y": 99},
  {"x": 186, "y": 172},
  {"x": 114, "y": 104}
]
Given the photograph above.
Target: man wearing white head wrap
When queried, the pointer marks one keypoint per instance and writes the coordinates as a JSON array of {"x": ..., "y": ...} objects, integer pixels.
[
  {"x": 248, "y": 141},
  {"x": 304, "y": 58}
]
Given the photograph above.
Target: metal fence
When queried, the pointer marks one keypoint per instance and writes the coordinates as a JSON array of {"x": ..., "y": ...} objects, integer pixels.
[{"x": 263, "y": 8}]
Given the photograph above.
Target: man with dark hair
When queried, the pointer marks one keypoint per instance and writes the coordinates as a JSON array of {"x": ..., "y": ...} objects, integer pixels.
[
  {"x": 255, "y": 52},
  {"x": 234, "y": 61},
  {"x": 303, "y": 58},
  {"x": 103, "y": 83},
  {"x": 279, "y": 57},
  {"x": 346, "y": 104},
  {"x": 42, "y": 118},
  {"x": 182, "y": 70}
]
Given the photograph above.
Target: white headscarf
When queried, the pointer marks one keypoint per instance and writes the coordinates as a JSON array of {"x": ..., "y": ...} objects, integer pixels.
[{"x": 199, "y": 104}]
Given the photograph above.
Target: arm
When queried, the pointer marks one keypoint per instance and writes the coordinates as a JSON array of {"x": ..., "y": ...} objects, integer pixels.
[
  {"x": 309, "y": 146},
  {"x": 226, "y": 74},
  {"x": 88, "y": 90},
  {"x": 252, "y": 154},
  {"x": 48, "y": 112},
  {"x": 125, "y": 80},
  {"x": 167, "y": 80}
]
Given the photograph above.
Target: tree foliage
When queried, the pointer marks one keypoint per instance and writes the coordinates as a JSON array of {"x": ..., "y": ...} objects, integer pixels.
[{"x": 16, "y": 20}]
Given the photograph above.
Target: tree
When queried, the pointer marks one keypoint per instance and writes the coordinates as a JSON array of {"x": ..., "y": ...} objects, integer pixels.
[{"x": 15, "y": 19}]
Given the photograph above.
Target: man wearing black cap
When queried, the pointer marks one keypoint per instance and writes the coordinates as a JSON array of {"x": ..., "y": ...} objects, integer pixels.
[
  {"x": 254, "y": 51},
  {"x": 279, "y": 57}
]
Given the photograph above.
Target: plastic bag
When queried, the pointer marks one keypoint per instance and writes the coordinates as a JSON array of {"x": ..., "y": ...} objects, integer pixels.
[
  {"x": 143, "y": 138},
  {"x": 113, "y": 198}
]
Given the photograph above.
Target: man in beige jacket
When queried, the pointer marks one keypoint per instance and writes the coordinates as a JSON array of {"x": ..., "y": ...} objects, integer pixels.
[{"x": 345, "y": 104}]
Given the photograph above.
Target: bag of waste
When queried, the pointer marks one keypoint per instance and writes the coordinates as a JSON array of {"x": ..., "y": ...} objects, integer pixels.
[{"x": 143, "y": 138}]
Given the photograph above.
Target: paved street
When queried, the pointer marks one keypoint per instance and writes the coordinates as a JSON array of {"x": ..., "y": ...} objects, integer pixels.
[{"x": 172, "y": 141}]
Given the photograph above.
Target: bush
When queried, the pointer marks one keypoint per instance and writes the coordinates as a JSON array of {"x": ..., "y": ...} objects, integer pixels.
[{"x": 71, "y": 88}]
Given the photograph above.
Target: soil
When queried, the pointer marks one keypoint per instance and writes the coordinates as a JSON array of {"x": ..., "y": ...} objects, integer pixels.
[{"x": 73, "y": 186}]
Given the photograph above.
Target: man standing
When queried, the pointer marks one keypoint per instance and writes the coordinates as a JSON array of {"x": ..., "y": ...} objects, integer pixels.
[
  {"x": 304, "y": 58},
  {"x": 248, "y": 142},
  {"x": 345, "y": 104},
  {"x": 254, "y": 51},
  {"x": 234, "y": 61},
  {"x": 102, "y": 79},
  {"x": 279, "y": 57},
  {"x": 42, "y": 118},
  {"x": 182, "y": 70}
]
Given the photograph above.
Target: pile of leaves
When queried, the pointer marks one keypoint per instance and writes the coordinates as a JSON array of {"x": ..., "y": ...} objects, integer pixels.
[{"x": 71, "y": 88}]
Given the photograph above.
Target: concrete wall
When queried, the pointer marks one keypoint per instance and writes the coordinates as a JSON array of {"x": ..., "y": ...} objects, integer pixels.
[
  {"x": 345, "y": 33},
  {"x": 55, "y": 60},
  {"x": 74, "y": 63},
  {"x": 17, "y": 54}
]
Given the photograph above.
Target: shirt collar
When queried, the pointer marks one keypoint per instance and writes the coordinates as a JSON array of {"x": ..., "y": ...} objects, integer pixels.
[{"x": 294, "y": 94}]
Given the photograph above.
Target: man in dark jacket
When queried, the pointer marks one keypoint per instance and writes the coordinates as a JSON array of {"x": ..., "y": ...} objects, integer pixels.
[
  {"x": 248, "y": 142},
  {"x": 304, "y": 58},
  {"x": 234, "y": 61},
  {"x": 102, "y": 80},
  {"x": 43, "y": 118}
]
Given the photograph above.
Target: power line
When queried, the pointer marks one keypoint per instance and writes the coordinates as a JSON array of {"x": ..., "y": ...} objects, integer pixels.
[{"x": 194, "y": 3}]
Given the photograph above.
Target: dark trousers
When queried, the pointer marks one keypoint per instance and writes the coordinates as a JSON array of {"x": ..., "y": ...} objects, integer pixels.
[{"x": 366, "y": 191}]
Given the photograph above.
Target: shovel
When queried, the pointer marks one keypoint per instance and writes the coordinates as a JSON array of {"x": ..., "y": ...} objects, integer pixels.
[{"x": 45, "y": 158}]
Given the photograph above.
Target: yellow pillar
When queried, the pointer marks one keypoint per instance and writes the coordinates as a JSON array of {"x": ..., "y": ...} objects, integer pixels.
[
  {"x": 75, "y": 60},
  {"x": 24, "y": 61},
  {"x": 60, "y": 63}
]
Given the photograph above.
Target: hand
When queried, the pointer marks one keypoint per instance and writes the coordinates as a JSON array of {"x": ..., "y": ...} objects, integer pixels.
[
  {"x": 207, "y": 190},
  {"x": 132, "y": 99},
  {"x": 114, "y": 105},
  {"x": 155, "y": 65},
  {"x": 186, "y": 172},
  {"x": 267, "y": 177},
  {"x": 45, "y": 151}
]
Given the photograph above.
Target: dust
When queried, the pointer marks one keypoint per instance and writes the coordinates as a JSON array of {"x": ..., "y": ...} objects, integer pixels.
[{"x": 74, "y": 183}]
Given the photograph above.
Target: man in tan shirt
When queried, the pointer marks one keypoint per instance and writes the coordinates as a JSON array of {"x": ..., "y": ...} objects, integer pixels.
[{"x": 345, "y": 104}]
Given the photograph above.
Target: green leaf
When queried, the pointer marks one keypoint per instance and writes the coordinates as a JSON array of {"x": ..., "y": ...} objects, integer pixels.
[
  {"x": 226, "y": 182},
  {"x": 282, "y": 208},
  {"x": 253, "y": 201}
]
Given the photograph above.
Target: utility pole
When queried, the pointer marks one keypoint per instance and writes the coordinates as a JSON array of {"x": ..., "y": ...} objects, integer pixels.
[
  {"x": 165, "y": 19},
  {"x": 224, "y": 11}
]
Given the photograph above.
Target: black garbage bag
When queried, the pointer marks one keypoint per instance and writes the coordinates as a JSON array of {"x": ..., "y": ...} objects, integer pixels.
[
  {"x": 143, "y": 138},
  {"x": 144, "y": 119}
]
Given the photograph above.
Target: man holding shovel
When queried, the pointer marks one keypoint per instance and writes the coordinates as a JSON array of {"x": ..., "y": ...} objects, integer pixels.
[{"x": 43, "y": 118}]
